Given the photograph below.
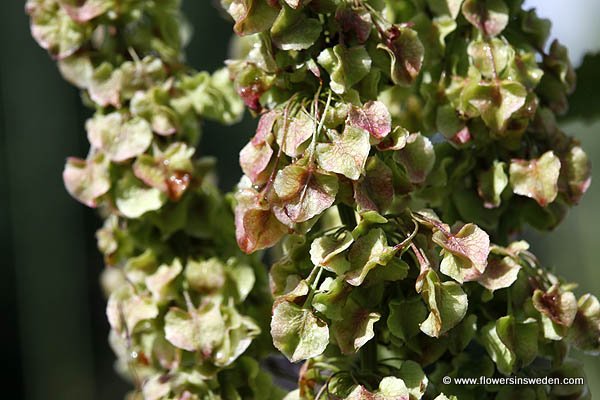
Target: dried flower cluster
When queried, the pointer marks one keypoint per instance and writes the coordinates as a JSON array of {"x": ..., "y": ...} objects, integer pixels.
[{"x": 401, "y": 148}]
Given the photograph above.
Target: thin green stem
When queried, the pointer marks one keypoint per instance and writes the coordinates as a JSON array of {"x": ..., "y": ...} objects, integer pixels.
[{"x": 347, "y": 215}]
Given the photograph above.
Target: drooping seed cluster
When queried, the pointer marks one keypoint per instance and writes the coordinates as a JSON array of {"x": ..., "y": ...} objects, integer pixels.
[
  {"x": 184, "y": 303},
  {"x": 401, "y": 148}
]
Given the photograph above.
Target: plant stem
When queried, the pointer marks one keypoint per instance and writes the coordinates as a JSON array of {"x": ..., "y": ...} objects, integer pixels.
[
  {"x": 368, "y": 353},
  {"x": 368, "y": 356},
  {"x": 347, "y": 215}
]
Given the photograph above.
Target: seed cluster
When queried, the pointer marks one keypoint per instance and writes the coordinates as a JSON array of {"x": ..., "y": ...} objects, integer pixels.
[
  {"x": 184, "y": 303},
  {"x": 401, "y": 148}
]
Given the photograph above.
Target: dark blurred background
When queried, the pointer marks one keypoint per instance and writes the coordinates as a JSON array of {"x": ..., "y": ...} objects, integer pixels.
[{"x": 54, "y": 331}]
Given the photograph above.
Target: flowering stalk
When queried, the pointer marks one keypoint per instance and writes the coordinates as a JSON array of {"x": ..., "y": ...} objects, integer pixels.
[
  {"x": 186, "y": 307},
  {"x": 401, "y": 148},
  {"x": 434, "y": 122}
]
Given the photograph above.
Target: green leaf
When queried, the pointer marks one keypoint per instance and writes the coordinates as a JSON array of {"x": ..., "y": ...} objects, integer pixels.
[
  {"x": 256, "y": 227},
  {"x": 346, "y": 154},
  {"x": 489, "y": 16},
  {"x": 375, "y": 190},
  {"x": 331, "y": 298},
  {"x": 406, "y": 52},
  {"x": 297, "y": 332},
  {"x": 126, "y": 309},
  {"x": 159, "y": 283},
  {"x": 169, "y": 171},
  {"x": 536, "y": 178},
  {"x": 295, "y": 134},
  {"x": 202, "y": 329},
  {"x": 502, "y": 355},
  {"x": 119, "y": 139},
  {"x": 55, "y": 30},
  {"x": 537, "y": 29},
  {"x": 584, "y": 95},
  {"x": 286, "y": 273},
  {"x": 585, "y": 331},
  {"x": 293, "y": 395},
  {"x": 295, "y": 4},
  {"x": 465, "y": 252},
  {"x": 329, "y": 252},
  {"x": 390, "y": 388},
  {"x": 520, "y": 337},
  {"x": 106, "y": 85},
  {"x": 250, "y": 16},
  {"x": 500, "y": 273},
  {"x": 156, "y": 388},
  {"x": 205, "y": 276},
  {"x": 355, "y": 329},
  {"x": 373, "y": 117},
  {"x": 213, "y": 97},
  {"x": 418, "y": 157},
  {"x": 152, "y": 105},
  {"x": 462, "y": 334},
  {"x": 240, "y": 331},
  {"x": 293, "y": 30},
  {"x": 346, "y": 66},
  {"x": 366, "y": 253},
  {"x": 442, "y": 396},
  {"x": 551, "y": 330},
  {"x": 578, "y": 171},
  {"x": 413, "y": 377},
  {"x": 445, "y": 7},
  {"x": 557, "y": 61},
  {"x": 77, "y": 70},
  {"x": 491, "y": 184},
  {"x": 496, "y": 102},
  {"x": 447, "y": 304},
  {"x": 405, "y": 317},
  {"x": 134, "y": 199},
  {"x": 556, "y": 304},
  {"x": 304, "y": 191},
  {"x": 242, "y": 275},
  {"x": 87, "y": 180},
  {"x": 491, "y": 57},
  {"x": 448, "y": 122}
]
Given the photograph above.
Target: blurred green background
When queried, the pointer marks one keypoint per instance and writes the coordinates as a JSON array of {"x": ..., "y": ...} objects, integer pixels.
[{"x": 54, "y": 330}]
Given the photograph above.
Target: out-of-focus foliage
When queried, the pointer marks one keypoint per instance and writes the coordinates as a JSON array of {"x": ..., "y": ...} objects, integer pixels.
[
  {"x": 582, "y": 103},
  {"x": 186, "y": 307}
]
